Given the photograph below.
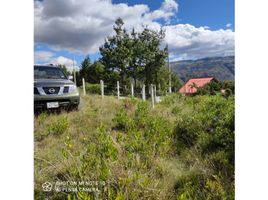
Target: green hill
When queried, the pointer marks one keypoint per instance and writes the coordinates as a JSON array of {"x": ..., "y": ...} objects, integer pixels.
[{"x": 222, "y": 68}]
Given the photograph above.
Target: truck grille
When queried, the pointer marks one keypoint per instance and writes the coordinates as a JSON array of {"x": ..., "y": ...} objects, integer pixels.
[
  {"x": 51, "y": 90},
  {"x": 66, "y": 90}
]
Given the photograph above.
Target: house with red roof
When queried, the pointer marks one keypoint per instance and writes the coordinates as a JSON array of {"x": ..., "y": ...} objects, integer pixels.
[{"x": 191, "y": 86}]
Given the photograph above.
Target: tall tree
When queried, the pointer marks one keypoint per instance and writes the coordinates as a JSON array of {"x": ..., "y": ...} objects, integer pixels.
[
  {"x": 136, "y": 65},
  {"x": 64, "y": 69},
  {"x": 116, "y": 54},
  {"x": 153, "y": 58},
  {"x": 135, "y": 55},
  {"x": 96, "y": 72},
  {"x": 85, "y": 65},
  {"x": 176, "y": 83}
]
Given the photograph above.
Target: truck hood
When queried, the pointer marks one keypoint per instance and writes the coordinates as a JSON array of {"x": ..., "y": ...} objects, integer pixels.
[{"x": 52, "y": 82}]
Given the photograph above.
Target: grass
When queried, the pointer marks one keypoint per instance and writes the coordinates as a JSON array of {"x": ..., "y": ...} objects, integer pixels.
[{"x": 130, "y": 147}]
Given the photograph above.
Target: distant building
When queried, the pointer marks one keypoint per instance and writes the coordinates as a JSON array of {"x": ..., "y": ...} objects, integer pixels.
[{"x": 190, "y": 87}]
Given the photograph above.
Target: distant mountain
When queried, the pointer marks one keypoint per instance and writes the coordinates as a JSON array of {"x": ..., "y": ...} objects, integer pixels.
[{"x": 222, "y": 68}]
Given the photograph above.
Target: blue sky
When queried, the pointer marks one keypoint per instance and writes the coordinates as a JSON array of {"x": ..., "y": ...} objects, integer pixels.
[
  {"x": 67, "y": 30},
  {"x": 215, "y": 14}
]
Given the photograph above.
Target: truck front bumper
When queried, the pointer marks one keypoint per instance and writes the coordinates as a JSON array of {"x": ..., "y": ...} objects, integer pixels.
[{"x": 66, "y": 100}]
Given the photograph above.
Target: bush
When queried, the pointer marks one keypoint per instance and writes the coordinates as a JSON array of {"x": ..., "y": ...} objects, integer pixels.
[
  {"x": 141, "y": 113},
  {"x": 171, "y": 99},
  {"x": 158, "y": 133},
  {"x": 143, "y": 128},
  {"x": 92, "y": 161},
  {"x": 93, "y": 88},
  {"x": 59, "y": 126},
  {"x": 123, "y": 121},
  {"x": 176, "y": 110},
  {"x": 209, "y": 129},
  {"x": 200, "y": 186}
]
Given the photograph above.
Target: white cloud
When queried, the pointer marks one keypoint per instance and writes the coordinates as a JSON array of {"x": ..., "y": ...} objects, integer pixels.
[
  {"x": 43, "y": 56},
  {"x": 186, "y": 41},
  {"x": 167, "y": 10},
  {"x": 69, "y": 63},
  {"x": 80, "y": 26},
  {"x": 47, "y": 57},
  {"x": 228, "y": 25}
]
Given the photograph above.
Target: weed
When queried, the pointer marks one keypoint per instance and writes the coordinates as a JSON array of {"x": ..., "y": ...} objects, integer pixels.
[{"x": 58, "y": 127}]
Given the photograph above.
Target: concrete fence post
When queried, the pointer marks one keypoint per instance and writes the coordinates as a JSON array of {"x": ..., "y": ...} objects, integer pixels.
[
  {"x": 118, "y": 90},
  {"x": 102, "y": 88},
  {"x": 84, "y": 87},
  {"x": 154, "y": 86},
  {"x": 152, "y": 95},
  {"x": 143, "y": 93}
]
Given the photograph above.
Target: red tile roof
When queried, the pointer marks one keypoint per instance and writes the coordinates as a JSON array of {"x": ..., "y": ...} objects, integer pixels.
[{"x": 198, "y": 82}]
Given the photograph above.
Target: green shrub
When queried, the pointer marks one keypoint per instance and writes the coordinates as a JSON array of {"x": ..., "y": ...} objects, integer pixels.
[
  {"x": 158, "y": 133},
  {"x": 176, "y": 110},
  {"x": 170, "y": 99},
  {"x": 40, "y": 127},
  {"x": 141, "y": 113},
  {"x": 59, "y": 126},
  {"x": 93, "y": 88},
  {"x": 209, "y": 129},
  {"x": 41, "y": 118},
  {"x": 199, "y": 186},
  {"x": 92, "y": 161},
  {"x": 123, "y": 121},
  {"x": 106, "y": 148},
  {"x": 143, "y": 128}
]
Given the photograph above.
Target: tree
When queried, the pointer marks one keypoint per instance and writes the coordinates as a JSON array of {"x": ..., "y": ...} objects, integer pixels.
[
  {"x": 136, "y": 66},
  {"x": 176, "y": 83},
  {"x": 85, "y": 65},
  {"x": 95, "y": 72},
  {"x": 215, "y": 87},
  {"x": 116, "y": 53},
  {"x": 152, "y": 57},
  {"x": 78, "y": 78},
  {"x": 163, "y": 77},
  {"x": 64, "y": 69},
  {"x": 135, "y": 55}
]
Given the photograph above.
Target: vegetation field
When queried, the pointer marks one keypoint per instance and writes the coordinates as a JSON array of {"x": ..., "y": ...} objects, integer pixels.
[{"x": 182, "y": 149}]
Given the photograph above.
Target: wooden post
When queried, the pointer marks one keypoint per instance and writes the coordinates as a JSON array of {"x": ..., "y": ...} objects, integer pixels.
[
  {"x": 132, "y": 90},
  {"x": 143, "y": 93},
  {"x": 118, "y": 90},
  {"x": 84, "y": 87},
  {"x": 152, "y": 95},
  {"x": 102, "y": 88}
]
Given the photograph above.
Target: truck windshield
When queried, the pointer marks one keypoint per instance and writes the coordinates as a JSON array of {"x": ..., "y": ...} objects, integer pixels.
[{"x": 42, "y": 72}]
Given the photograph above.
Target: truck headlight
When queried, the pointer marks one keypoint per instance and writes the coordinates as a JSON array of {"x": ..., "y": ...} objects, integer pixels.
[{"x": 73, "y": 89}]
